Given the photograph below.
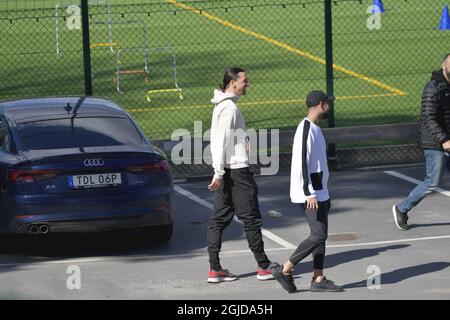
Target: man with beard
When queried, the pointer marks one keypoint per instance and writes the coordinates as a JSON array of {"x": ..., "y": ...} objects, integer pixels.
[
  {"x": 236, "y": 192},
  {"x": 309, "y": 179},
  {"x": 434, "y": 139}
]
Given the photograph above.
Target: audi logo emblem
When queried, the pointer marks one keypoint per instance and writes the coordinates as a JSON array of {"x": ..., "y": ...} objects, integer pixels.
[{"x": 93, "y": 162}]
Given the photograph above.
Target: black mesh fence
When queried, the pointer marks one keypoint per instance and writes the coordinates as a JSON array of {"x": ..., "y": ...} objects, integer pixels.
[
  {"x": 161, "y": 60},
  {"x": 31, "y": 62}
]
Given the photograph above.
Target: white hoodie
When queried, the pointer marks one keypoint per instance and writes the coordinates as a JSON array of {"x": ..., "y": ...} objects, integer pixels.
[{"x": 228, "y": 137}]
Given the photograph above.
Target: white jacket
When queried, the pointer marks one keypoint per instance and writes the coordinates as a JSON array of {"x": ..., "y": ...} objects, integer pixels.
[
  {"x": 228, "y": 137},
  {"x": 309, "y": 168}
]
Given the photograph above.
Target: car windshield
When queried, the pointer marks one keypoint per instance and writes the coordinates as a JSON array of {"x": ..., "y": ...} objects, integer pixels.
[{"x": 78, "y": 132}]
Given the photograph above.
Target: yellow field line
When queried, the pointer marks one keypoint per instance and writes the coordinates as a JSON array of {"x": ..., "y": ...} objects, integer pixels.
[
  {"x": 368, "y": 96},
  {"x": 287, "y": 47},
  {"x": 255, "y": 103}
]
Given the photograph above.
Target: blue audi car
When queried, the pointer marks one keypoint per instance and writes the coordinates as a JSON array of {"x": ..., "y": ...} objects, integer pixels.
[{"x": 79, "y": 164}]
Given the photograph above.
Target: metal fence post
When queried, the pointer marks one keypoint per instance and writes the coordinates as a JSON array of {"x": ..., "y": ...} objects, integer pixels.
[
  {"x": 329, "y": 73},
  {"x": 86, "y": 48}
]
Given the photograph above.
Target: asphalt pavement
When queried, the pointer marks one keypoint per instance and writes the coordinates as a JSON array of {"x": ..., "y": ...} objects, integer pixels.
[{"x": 366, "y": 253}]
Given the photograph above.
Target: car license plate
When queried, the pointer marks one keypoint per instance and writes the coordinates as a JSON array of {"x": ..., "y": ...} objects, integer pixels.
[{"x": 95, "y": 180}]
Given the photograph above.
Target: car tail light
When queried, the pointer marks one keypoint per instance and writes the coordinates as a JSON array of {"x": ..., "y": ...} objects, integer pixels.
[
  {"x": 148, "y": 168},
  {"x": 26, "y": 176}
]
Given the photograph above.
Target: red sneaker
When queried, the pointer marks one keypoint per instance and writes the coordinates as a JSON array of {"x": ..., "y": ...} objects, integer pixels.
[
  {"x": 220, "y": 276},
  {"x": 264, "y": 274}
]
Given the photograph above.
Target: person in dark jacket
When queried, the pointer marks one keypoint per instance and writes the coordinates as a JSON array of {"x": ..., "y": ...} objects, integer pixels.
[{"x": 434, "y": 139}]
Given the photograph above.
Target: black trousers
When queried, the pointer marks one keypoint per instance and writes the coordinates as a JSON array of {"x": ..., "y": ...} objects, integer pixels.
[
  {"x": 315, "y": 243},
  {"x": 237, "y": 195}
]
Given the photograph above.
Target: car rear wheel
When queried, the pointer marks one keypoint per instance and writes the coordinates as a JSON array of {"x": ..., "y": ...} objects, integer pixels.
[
  {"x": 165, "y": 233},
  {"x": 159, "y": 234}
]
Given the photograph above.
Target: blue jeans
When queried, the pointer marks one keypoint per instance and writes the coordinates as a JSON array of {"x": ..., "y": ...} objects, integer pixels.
[{"x": 435, "y": 161}]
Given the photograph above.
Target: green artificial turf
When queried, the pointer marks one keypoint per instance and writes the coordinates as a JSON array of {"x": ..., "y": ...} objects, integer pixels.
[{"x": 268, "y": 38}]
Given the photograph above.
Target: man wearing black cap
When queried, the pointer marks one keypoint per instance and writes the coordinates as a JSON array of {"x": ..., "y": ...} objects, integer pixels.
[{"x": 309, "y": 178}]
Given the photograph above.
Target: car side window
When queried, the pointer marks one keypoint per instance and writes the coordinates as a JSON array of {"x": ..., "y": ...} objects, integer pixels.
[
  {"x": 2, "y": 133},
  {"x": 4, "y": 136}
]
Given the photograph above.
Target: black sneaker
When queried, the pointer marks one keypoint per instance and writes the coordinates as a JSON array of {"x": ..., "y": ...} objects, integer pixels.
[
  {"x": 286, "y": 281},
  {"x": 325, "y": 285},
  {"x": 401, "y": 219}
]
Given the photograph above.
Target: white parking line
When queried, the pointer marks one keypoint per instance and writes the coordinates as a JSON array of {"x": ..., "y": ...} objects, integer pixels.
[
  {"x": 193, "y": 197},
  {"x": 388, "y": 242},
  {"x": 204, "y": 254},
  {"x": 265, "y": 232},
  {"x": 134, "y": 258},
  {"x": 415, "y": 181}
]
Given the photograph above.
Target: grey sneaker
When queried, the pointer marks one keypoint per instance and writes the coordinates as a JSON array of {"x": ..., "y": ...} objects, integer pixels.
[
  {"x": 325, "y": 285},
  {"x": 286, "y": 281},
  {"x": 401, "y": 219}
]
